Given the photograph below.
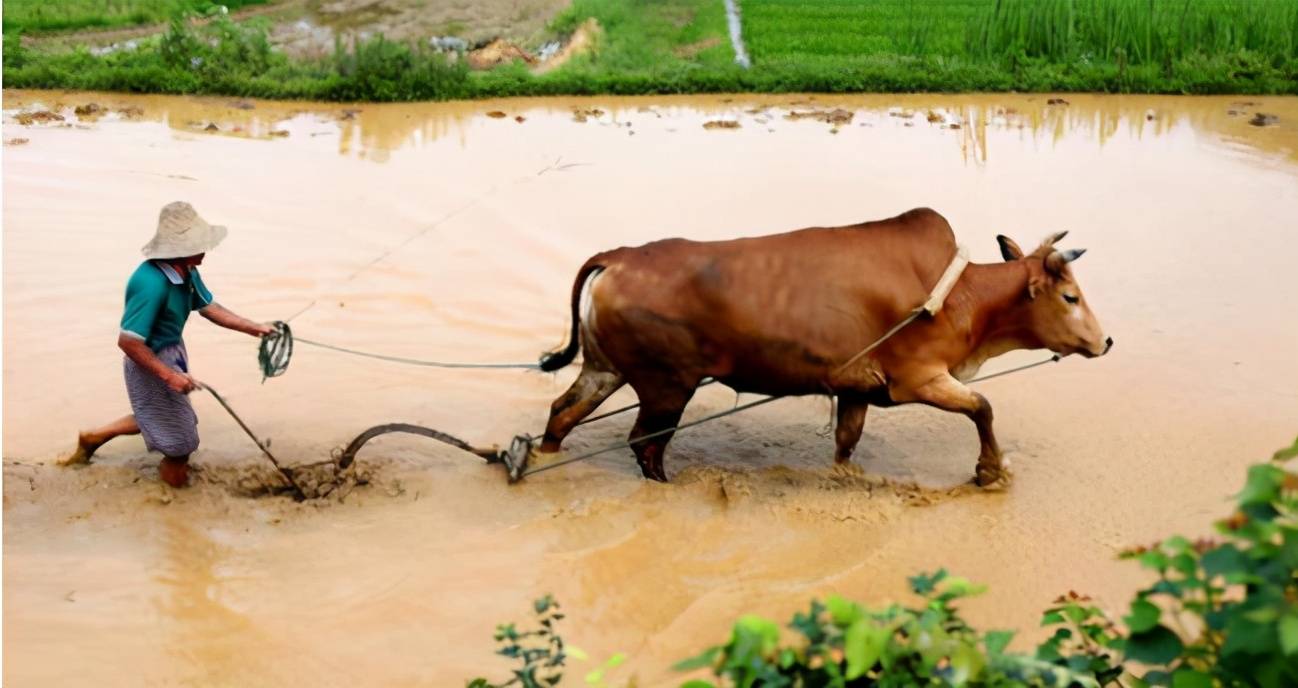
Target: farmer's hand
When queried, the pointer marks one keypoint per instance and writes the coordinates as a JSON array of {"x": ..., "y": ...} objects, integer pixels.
[
  {"x": 262, "y": 329},
  {"x": 182, "y": 383}
]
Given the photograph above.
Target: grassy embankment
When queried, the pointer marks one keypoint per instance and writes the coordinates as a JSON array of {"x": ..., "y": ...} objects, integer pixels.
[
  {"x": 681, "y": 46},
  {"x": 44, "y": 16}
]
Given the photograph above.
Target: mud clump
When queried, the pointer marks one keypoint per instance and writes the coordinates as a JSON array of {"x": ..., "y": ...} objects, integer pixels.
[
  {"x": 89, "y": 110},
  {"x": 582, "y": 114},
  {"x": 497, "y": 114},
  {"x": 837, "y": 116},
  {"x": 131, "y": 112},
  {"x": 934, "y": 117},
  {"x": 1264, "y": 120},
  {"x": 242, "y": 105},
  {"x": 1056, "y": 101},
  {"x": 721, "y": 124},
  {"x": 279, "y": 133},
  {"x": 40, "y": 116},
  {"x": 16, "y": 142}
]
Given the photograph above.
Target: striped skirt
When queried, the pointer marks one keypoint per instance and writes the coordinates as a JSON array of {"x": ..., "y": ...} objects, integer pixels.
[{"x": 166, "y": 418}]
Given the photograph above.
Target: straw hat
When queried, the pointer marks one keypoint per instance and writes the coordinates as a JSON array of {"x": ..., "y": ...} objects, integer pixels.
[{"x": 182, "y": 233}]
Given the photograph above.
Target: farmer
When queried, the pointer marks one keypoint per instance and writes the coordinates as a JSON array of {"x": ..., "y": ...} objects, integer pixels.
[{"x": 159, "y": 296}]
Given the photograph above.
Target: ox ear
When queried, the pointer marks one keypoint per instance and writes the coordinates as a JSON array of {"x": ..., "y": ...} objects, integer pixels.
[
  {"x": 1009, "y": 250},
  {"x": 1055, "y": 238}
]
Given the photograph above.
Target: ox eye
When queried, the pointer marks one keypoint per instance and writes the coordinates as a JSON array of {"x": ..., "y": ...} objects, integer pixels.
[{"x": 1070, "y": 299}]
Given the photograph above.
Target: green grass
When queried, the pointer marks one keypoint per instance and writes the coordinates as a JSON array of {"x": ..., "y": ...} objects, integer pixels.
[
  {"x": 681, "y": 46},
  {"x": 1139, "y": 31},
  {"x": 47, "y": 16}
]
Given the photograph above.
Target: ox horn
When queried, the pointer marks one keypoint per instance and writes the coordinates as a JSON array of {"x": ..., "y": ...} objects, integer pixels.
[{"x": 1056, "y": 261}]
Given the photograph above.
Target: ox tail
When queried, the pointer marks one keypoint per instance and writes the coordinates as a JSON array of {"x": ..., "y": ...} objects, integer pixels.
[{"x": 554, "y": 360}]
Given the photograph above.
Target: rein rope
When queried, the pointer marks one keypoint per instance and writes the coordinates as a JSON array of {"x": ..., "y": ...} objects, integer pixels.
[{"x": 276, "y": 351}]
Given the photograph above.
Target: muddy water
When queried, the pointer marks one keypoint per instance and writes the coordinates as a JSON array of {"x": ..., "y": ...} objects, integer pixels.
[{"x": 438, "y": 231}]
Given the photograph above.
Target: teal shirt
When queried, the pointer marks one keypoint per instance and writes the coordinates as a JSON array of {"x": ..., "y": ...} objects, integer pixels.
[{"x": 158, "y": 302}]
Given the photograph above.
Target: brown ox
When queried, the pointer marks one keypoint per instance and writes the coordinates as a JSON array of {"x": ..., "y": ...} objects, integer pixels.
[{"x": 781, "y": 315}]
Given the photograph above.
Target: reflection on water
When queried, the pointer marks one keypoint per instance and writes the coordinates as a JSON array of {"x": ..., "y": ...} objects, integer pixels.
[
  {"x": 375, "y": 131},
  {"x": 191, "y": 595}
]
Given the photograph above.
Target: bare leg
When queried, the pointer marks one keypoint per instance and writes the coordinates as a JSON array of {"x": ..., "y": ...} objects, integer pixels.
[
  {"x": 851, "y": 420},
  {"x": 91, "y": 440},
  {"x": 587, "y": 392},
  {"x": 947, "y": 393}
]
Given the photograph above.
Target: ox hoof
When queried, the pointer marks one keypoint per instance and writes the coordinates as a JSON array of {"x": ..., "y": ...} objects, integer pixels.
[
  {"x": 655, "y": 473},
  {"x": 994, "y": 477},
  {"x": 847, "y": 469}
]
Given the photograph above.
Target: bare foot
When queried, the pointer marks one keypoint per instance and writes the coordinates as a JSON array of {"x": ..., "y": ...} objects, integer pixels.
[
  {"x": 81, "y": 455},
  {"x": 174, "y": 472}
]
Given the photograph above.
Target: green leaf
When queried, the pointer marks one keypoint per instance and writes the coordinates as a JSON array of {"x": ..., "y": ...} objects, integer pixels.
[
  {"x": 1224, "y": 560},
  {"x": 1051, "y": 618},
  {"x": 1189, "y": 678},
  {"x": 843, "y": 612},
  {"x": 1144, "y": 616},
  {"x": 1154, "y": 559},
  {"x": 924, "y": 584},
  {"x": 1158, "y": 645},
  {"x": 967, "y": 663},
  {"x": 961, "y": 587},
  {"x": 696, "y": 683},
  {"x": 578, "y": 653},
  {"x": 997, "y": 641},
  {"x": 862, "y": 644},
  {"x": 754, "y": 633},
  {"x": 1289, "y": 632},
  {"x": 1263, "y": 485},
  {"x": 1287, "y": 453}
]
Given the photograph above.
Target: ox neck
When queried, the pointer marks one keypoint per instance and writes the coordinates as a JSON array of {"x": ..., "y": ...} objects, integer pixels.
[{"x": 986, "y": 306}]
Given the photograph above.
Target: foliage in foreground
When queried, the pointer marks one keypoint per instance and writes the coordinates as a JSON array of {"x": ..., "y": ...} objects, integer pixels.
[{"x": 1221, "y": 612}]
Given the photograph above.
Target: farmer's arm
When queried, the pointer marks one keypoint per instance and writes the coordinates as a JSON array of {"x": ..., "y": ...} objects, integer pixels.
[
  {"x": 226, "y": 318},
  {"x": 138, "y": 351}
]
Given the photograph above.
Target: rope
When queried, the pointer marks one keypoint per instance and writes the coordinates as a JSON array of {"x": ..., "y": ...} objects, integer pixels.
[
  {"x": 276, "y": 351},
  {"x": 659, "y": 433},
  {"x": 621, "y": 445},
  {"x": 886, "y": 336},
  {"x": 298, "y": 494}
]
